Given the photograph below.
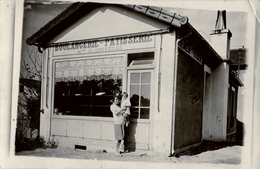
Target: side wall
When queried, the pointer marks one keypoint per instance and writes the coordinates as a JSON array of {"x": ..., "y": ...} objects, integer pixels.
[
  {"x": 189, "y": 102},
  {"x": 215, "y": 104}
]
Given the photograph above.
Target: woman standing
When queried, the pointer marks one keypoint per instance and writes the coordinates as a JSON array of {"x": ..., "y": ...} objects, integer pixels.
[{"x": 119, "y": 123}]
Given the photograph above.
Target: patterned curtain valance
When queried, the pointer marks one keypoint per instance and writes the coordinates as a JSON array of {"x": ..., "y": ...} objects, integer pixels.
[{"x": 88, "y": 69}]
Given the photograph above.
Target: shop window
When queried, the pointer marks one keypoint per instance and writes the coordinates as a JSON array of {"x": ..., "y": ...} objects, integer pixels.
[{"x": 86, "y": 87}]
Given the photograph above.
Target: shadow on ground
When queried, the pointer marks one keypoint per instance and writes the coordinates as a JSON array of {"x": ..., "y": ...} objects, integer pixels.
[{"x": 207, "y": 146}]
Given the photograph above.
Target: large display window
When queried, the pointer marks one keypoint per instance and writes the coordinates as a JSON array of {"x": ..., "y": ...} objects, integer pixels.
[{"x": 85, "y": 87}]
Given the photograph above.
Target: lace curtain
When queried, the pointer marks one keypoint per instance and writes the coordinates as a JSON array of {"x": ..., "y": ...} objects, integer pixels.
[{"x": 89, "y": 69}]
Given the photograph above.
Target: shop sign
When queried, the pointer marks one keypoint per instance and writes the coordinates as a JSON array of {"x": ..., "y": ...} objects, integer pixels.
[{"x": 106, "y": 45}]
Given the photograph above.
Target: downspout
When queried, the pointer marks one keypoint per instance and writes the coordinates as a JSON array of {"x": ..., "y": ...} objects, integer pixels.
[
  {"x": 48, "y": 78},
  {"x": 42, "y": 81},
  {"x": 174, "y": 89},
  {"x": 159, "y": 76},
  {"x": 48, "y": 88}
]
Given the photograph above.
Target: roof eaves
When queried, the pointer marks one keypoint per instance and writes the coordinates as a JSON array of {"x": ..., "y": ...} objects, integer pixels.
[
  {"x": 206, "y": 43},
  {"x": 173, "y": 19}
]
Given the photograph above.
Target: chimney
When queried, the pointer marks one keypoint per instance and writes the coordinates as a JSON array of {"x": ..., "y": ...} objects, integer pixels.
[{"x": 220, "y": 37}]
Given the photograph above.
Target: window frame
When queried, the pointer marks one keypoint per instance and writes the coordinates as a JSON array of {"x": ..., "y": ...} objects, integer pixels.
[
  {"x": 83, "y": 57},
  {"x": 130, "y": 66},
  {"x": 128, "y": 91}
]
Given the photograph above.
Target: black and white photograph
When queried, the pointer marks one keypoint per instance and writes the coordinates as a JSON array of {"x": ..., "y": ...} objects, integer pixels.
[{"x": 130, "y": 84}]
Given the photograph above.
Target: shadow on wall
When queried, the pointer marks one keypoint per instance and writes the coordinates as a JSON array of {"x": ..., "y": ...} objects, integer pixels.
[
  {"x": 130, "y": 137},
  {"x": 240, "y": 133}
]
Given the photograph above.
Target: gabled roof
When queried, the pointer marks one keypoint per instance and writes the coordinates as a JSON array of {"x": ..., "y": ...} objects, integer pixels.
[{"x": 76, "y": 10}]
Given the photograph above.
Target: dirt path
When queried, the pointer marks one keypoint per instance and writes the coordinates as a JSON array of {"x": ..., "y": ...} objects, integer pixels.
[{"x": 214, "y": 153}]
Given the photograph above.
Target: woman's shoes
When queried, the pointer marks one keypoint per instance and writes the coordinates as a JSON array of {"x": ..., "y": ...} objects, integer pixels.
[{"x": 117, "y": 154}]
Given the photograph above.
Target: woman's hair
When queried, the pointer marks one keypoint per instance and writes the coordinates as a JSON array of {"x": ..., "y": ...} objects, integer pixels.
[{"x": 117, "y": 95}]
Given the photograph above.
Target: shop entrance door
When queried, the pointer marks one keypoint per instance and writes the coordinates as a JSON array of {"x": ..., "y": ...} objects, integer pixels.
[{"x": 139, "y": 90}]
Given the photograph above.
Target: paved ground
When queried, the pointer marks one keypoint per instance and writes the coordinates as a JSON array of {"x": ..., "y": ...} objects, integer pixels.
[{"x": 210, "y": 153}]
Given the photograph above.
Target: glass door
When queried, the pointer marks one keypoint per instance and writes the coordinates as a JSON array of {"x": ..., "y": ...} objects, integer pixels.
[{"x": 139, "y": 89}]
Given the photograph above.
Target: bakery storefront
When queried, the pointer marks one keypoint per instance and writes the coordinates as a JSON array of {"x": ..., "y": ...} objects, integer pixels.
[
  {"x": 172, "y": 75},
  {"x": 86, "y": 75}
]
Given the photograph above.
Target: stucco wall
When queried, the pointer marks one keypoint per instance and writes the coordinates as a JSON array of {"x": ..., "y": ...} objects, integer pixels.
[
  {"x": 162, "y": 115},
  {"x": 189, "y": 100},
  {"x": 108, "y": 21},
  {"x": 215, "y": 104}
]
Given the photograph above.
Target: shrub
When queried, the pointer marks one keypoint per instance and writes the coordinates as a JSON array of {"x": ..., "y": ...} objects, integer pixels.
[{"x": 29, "y": 144}]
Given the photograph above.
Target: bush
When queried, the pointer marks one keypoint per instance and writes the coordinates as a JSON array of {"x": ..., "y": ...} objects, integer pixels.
[
  {"x": 23, "y": 143},
  {"x": 28, "y": 144}
]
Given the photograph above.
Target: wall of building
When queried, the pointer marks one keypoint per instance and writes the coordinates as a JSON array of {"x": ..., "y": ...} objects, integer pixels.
[
  {"x": 162, "y": 118},
  {"x": 189, "y": 102},
  {"x": 97, "y": 23},
  {"x": 215, "y": 104}
]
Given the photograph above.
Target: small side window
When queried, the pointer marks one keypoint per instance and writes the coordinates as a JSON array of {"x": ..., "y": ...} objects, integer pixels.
[{"x": 141, "y": 59}]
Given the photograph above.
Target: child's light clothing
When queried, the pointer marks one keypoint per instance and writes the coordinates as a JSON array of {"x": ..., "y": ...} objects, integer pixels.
[{"x": 125, "y": 104}]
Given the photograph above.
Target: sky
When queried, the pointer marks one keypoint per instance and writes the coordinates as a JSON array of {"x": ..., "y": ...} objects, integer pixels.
[{"x": 35, "y": 16}]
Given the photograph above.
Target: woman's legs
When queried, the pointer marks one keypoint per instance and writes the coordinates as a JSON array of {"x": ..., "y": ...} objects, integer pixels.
[
  {"x": 122, "y": 146},
  {"x": 119, "y": 136},
  {"x": 118, "y": 143}
]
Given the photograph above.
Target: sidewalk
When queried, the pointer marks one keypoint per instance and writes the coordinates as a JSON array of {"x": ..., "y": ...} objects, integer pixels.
[{"x": 212, "y": 155}]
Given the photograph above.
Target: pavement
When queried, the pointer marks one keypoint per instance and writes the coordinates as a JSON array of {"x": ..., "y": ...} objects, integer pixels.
[{"x": 205, "y": 156}]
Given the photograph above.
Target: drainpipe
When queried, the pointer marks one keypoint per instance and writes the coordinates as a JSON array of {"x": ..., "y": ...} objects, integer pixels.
[
  {"x": 174, "y": 88},
  {"x": 47, "y": 79},
  {"x": 159, "y": 76}
]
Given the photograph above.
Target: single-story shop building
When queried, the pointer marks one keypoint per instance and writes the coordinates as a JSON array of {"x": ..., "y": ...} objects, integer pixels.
[{"x": 181, "y": 87}]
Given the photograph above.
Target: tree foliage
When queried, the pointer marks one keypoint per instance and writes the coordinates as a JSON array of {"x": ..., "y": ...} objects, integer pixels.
[{"x": 28, "y": 114}]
